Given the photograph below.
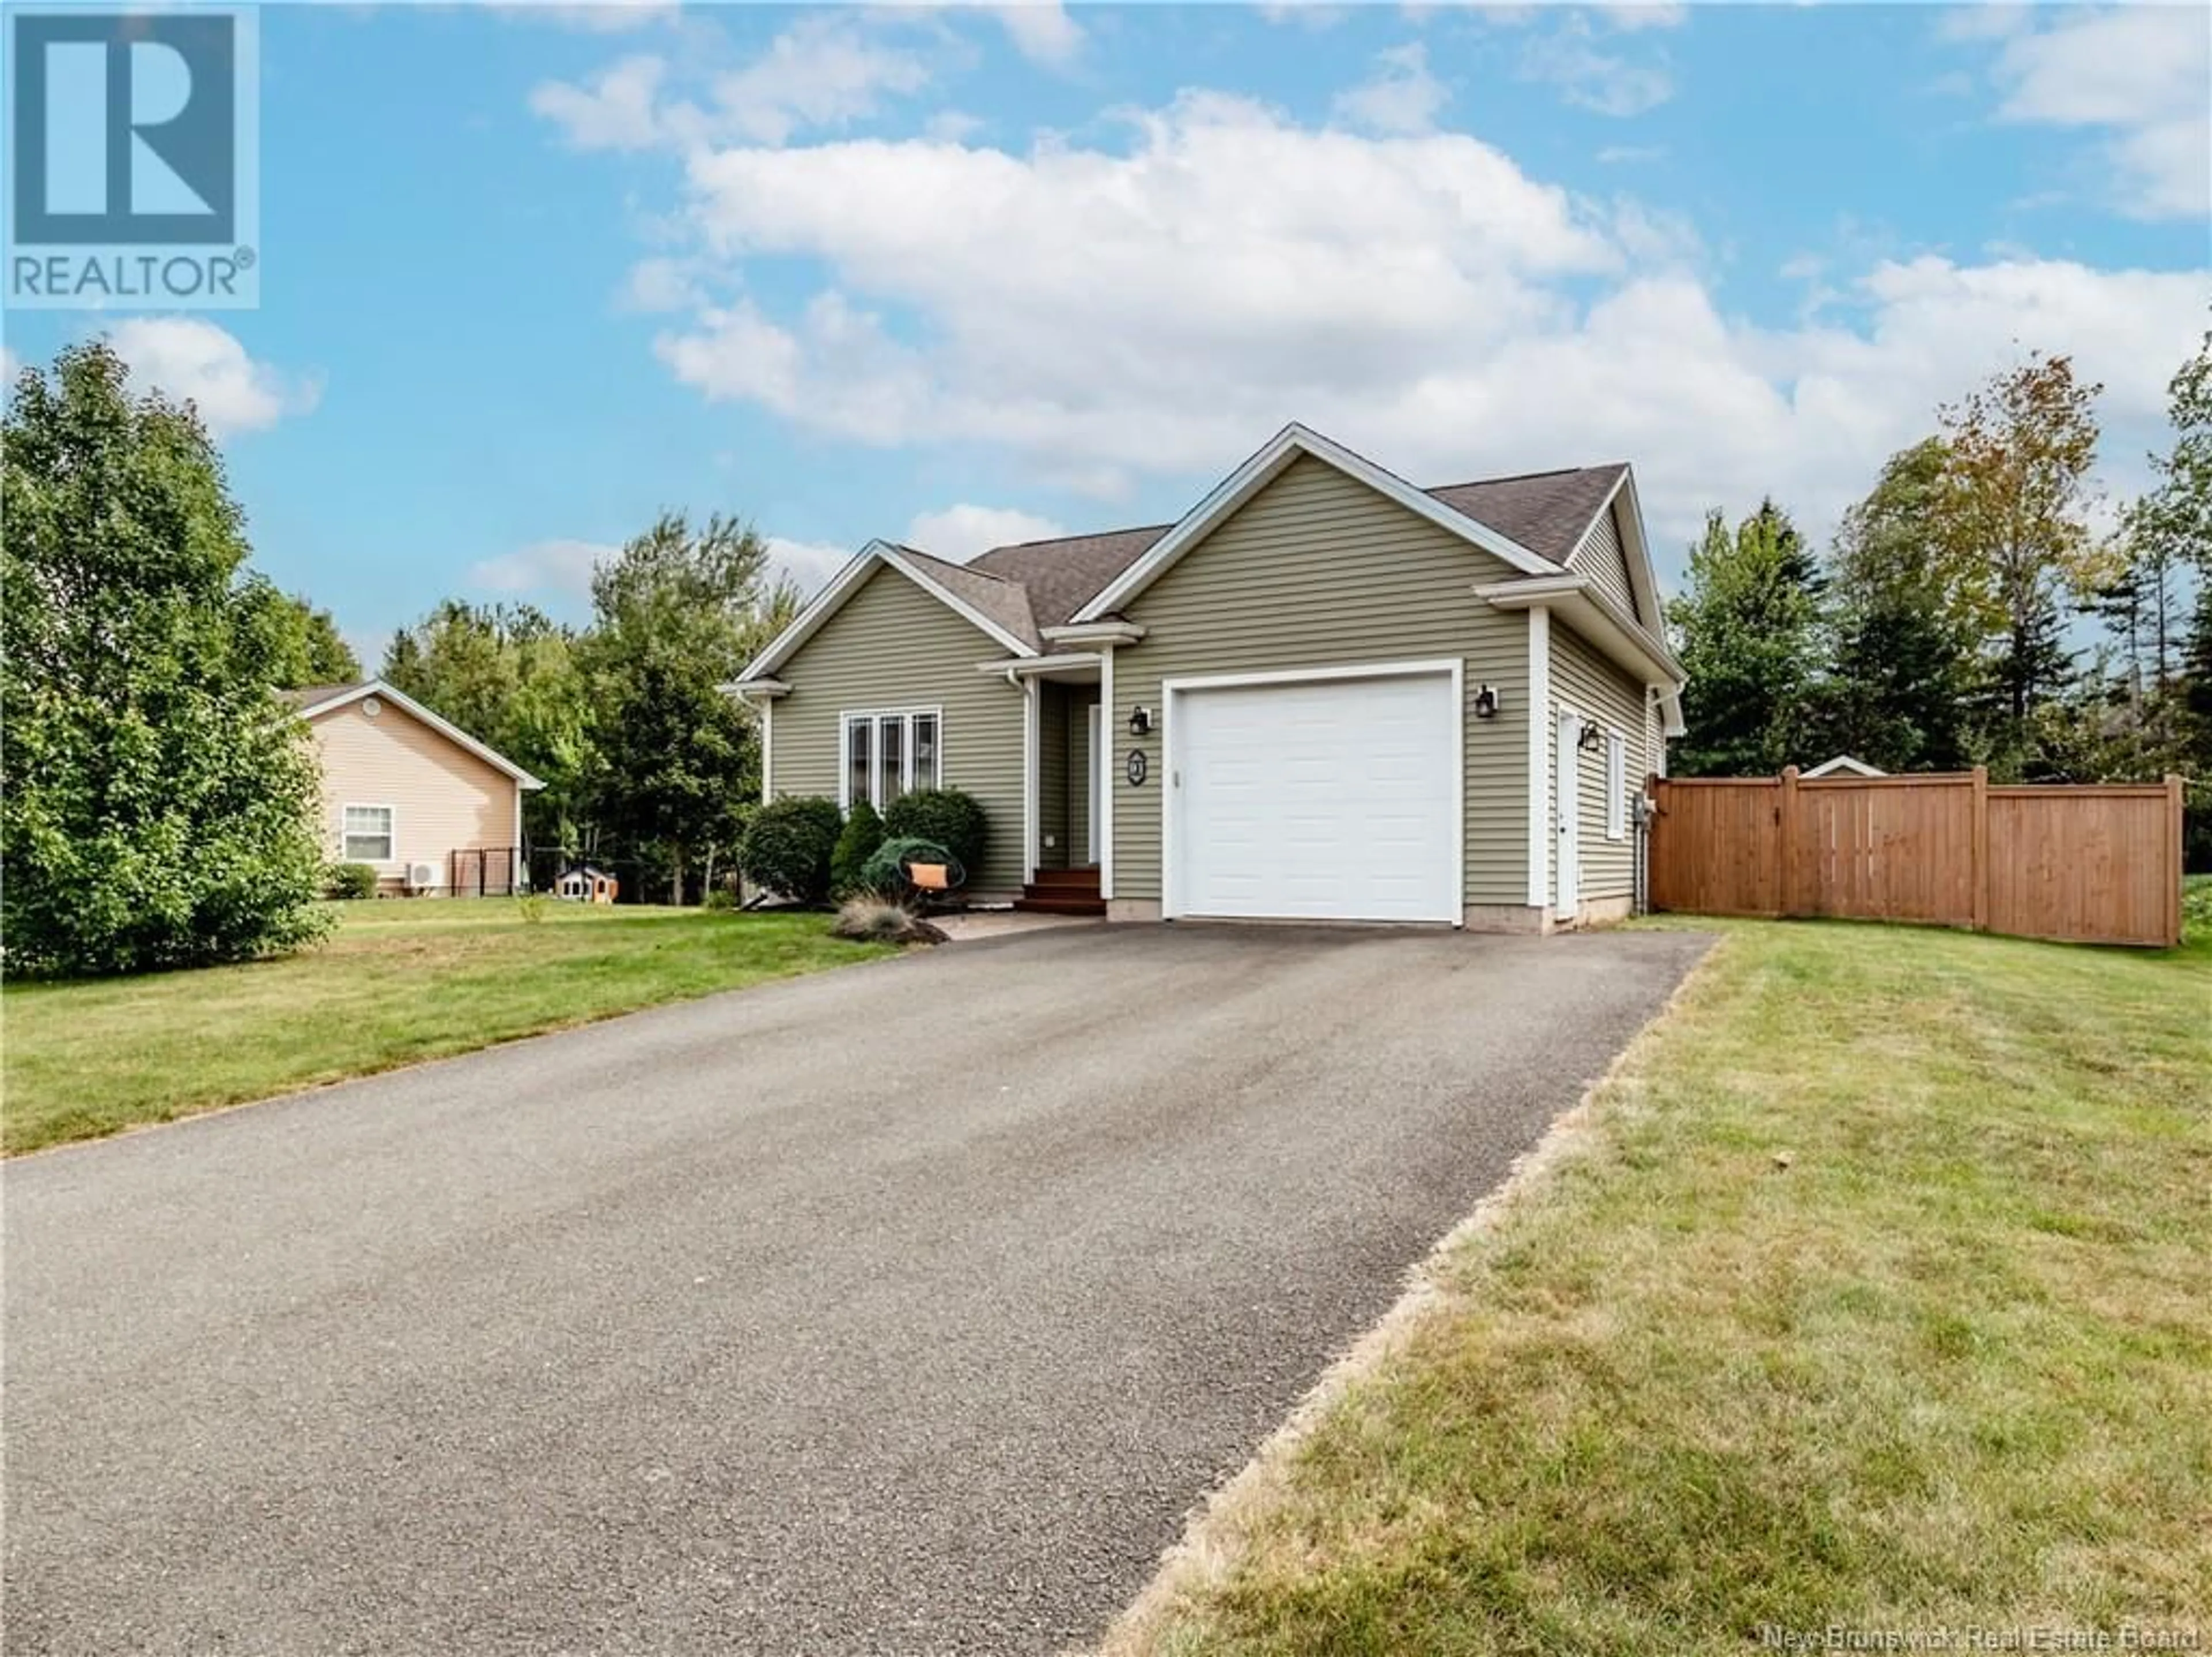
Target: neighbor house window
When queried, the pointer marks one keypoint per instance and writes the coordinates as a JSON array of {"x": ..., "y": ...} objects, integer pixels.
[
  {"x": 1616, "y": 786},
  {"x": 368, "y": 834},
  {"x": 890, "y": 753}
]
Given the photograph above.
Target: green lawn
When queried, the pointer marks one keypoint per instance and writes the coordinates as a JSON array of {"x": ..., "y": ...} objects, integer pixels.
[
  {"x": 399, "y": 982},
  {"x": 1947, "y": 1366}
]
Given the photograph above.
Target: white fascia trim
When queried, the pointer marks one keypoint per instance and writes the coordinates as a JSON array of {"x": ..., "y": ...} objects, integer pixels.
[
  {"x": 1642, "y": 576},
  {"x": 896, "y": 557},
  {"x": 763, "y": 691},
  {"x": 1083, "y": 662},
  {"x": 405, "y": 703},
  {"x": 1540, "y": 772},
  {"x": 1242, "y": 484},
  {"x": 843, "y": 585},
  {"x": 1098, "y": 632},
  {"x": 1589, "y": 610},
  {"x": 1452, "y": 668}
]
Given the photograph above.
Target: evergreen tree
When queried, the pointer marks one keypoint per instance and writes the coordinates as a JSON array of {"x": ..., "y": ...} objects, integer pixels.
[
  {"x": 1901, "y": 661},
  {"x": 1747, "y": 628},
  {"x": 159, "y": 803}
]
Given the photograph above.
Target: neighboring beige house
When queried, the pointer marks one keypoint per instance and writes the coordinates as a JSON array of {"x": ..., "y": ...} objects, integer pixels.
[
  {"x": 1323, "y": 694},
  {"x": 431, "y": 809}
]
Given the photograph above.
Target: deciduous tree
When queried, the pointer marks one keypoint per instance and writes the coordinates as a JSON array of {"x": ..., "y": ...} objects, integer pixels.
[{"x": 158, "y": 801}]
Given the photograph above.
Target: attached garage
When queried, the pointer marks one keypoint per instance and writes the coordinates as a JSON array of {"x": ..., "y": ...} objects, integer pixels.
[{"x": 1328, "y": 794}]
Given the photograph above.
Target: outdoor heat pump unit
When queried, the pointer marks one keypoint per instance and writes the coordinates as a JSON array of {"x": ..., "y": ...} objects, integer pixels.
[{"x": 420, "y": 877}]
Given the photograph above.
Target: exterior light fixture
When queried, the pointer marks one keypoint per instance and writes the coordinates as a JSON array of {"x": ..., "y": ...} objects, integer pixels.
[
  {"x": 1140, "y": 721},
  {"x": 1589, "y": 738},
  {"x": 1485, "y": 702}
]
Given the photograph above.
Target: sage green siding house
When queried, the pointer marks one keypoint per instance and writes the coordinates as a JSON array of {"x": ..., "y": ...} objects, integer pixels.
[{"x": 1324, "y": 694}]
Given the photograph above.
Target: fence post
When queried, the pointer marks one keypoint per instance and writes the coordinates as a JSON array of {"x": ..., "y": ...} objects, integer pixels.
[
  {"x": 2176, "y": 841},
  {"x": 1981, "y": 835},
  {"x": 1789, "y": 840}
]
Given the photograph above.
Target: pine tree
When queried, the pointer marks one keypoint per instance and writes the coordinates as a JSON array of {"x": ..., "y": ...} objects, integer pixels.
[{"x": 1747, "y": 628}]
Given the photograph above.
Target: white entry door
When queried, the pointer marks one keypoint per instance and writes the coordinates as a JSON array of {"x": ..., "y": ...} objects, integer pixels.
[
  {"x": 1328, "y": 799},
  {"x": 1567, "y": 793}
]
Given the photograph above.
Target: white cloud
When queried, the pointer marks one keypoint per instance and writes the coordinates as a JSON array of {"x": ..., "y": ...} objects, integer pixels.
[
  {"x": 1402, "y": 96},
  {"x": 555, "y": 568},
  {"x": 1315, "y": 14},
  {"x": 598, "y": 17},
  {"x": 617, "y": 109},
  {"x": 194, "y": 361},
  {"x": 11, "y": 364},
  {"x": 2138, "y": 73},
  {"x": 1645, "y": 14},
  {"x": 959, "y": 532},
  {"x": 1042, "y": 31},
  {"x": 1133, "y": 309},
  {"x": 807, "y": 564},
  {"x": 1591, "y": 78},
  {"x": 563, "y": 569},
  {"x": 823, "y": 71}
]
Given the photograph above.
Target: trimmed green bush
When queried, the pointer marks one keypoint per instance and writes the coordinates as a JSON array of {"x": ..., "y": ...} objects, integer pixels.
[
  {"x": 788, "y": 845},
  {"x": 350, "y": 880},
  {"x": 885, "y": 872},
  {"x": 951, "y": 819},
  {"x": 856, "y": 843}
]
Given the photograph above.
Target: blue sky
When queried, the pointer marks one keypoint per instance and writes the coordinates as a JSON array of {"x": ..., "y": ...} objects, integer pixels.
[{"x": 963, "y": 275}]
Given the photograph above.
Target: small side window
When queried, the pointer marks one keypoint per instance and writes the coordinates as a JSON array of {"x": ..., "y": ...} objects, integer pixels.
[{"x": 368, "y": 834}]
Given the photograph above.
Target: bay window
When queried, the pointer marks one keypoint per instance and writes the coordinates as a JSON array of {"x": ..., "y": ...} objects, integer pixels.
[{"x": 888, "y": 752}]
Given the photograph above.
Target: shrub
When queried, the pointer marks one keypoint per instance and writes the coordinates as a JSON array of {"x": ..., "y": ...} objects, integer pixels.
[
  {"x": 856, "y": 843},
  {"x": 719, "y": 898},
  {"x": 531, "y": 905},
  {"x": 350, "y": 880},
  {"x": 788, "y": 845},
  {"x": 947, "y": 816},
  {"x": 885, "y": 874},
  {"x": 869, "y": 919}
]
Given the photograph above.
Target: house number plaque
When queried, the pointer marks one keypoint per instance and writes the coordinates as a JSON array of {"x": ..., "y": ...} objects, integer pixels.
[{"x": 1138, "y": 768}]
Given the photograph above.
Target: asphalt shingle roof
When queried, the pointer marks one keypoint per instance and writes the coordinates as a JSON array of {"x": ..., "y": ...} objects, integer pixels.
[{"x": 1033, "y": 585}]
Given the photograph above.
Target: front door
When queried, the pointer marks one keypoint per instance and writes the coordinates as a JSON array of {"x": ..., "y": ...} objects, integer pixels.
[{"x": 1565, "y": 790}]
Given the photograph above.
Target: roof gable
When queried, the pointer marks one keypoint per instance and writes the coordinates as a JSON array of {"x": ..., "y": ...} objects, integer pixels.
[
  {"x": 999, "y": 607},
  {"x": 313, "y": 701},
  {"x": 1261, "y": 469}
]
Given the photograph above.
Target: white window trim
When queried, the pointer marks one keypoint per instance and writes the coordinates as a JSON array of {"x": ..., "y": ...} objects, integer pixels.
[
  {"x": 845, "y": 718},
  {"x": 390, "y": 835},
  {"x": 1452, "y": 668},
  {"x": 1616, "y": 786}
]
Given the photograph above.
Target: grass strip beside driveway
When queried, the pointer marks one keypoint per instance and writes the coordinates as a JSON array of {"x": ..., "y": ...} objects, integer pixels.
[
  {"x": 1877, "y": 1300},
  {"x": 399, "y": 983}
]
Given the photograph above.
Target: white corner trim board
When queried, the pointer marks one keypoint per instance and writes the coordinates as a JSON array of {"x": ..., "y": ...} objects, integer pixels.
[{"x": 1540, "y": 769}]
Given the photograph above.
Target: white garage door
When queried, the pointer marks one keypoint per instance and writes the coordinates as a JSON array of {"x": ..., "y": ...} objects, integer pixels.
[{"x": 1324, "y": 800}]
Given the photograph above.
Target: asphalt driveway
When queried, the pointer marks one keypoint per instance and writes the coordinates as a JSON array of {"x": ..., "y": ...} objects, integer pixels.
[{"x": 902, "y": 1309}]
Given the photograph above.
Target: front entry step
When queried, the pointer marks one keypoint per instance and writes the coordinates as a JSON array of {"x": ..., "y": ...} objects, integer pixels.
[{"x": 1062, "y": 892}]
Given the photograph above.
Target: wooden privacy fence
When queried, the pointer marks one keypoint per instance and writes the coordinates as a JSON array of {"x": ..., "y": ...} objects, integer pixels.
[{"x": 2089, "y": 862}]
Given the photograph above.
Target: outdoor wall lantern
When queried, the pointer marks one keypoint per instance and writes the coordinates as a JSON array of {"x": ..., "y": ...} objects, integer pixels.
[
  {"x": 1485, "y": 702},
  {"x": 1140, "y": 721},
  {"x": 1591, "y": 737}
]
